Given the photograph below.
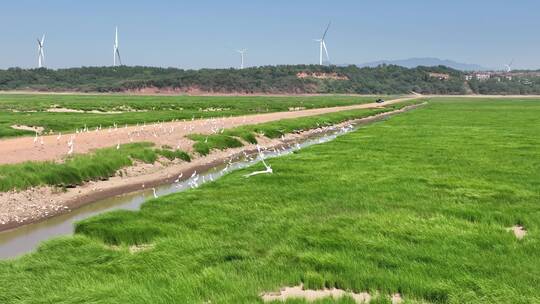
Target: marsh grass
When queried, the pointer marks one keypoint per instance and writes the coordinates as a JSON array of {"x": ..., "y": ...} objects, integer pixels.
[
  {"x": 417, "y": 204},
  {"x": 75, "y": 170},
  {"x": 230, "y": 137},
  {"x": 205, "y": 143},
  {"x": 173, "y": 154}
]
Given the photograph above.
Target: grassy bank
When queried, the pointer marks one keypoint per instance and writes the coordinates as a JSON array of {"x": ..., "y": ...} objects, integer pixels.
[
  {"x": 31, "y": 110},
  {"x": 418, "y": 204},
  {"x": 230, "y": 138},
  {"x": 100, "y": 164},
  {"x": 104, "y": 163}
]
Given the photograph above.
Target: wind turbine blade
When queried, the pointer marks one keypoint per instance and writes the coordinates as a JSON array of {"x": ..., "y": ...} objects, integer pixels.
[
  {"x": 325, "y": 51},
  {"x": 116, "y": 37},
  {"x": 43, "y": 40},
  {"x": 326, "y": 31}
]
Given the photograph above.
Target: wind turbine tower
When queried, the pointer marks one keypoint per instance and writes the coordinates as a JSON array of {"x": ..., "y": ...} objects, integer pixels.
[
  {"x": 242, "y": 53},
  {"x": 41, "y": 54},
  {"x": 322, "y": 46},
  {"x": 116, "y": 51}
]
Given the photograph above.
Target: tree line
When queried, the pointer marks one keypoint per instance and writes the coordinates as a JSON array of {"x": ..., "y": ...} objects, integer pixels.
[{"x": 384, "y": 79}]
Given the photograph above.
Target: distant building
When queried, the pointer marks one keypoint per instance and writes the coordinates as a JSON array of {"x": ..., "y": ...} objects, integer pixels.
[
  {"x": 481, "y": 76},
  {"x": 439, "y": 76}
]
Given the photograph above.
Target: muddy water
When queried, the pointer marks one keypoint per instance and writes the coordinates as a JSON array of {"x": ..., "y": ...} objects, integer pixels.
[{"x": 26, "y": 238}]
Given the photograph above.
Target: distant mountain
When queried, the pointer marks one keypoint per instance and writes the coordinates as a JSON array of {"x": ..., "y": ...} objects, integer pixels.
[{"x": 415, "y": 62}]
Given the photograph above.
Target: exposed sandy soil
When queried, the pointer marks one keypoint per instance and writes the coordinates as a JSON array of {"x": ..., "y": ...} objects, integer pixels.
[
  {"x": 519, "y": 231},
  {"x": 66, "y": 110},
  {"x": 311, "y": 295},
  {"x": 321, "y": 75},
  {"x": 54, "y": 147},
  {"x": 22, "y": 207}
]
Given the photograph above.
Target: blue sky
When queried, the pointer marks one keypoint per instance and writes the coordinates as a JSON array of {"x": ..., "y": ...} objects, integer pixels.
[{"x": 204, "y": 33}]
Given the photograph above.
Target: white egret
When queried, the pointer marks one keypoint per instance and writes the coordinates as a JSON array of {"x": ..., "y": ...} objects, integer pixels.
[
  {"x": 179, "y": 177},
  {"x": 268, "y": 169}
]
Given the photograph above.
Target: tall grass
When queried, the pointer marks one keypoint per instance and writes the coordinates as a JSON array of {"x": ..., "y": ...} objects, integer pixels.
[
  {"x": 418, "y": 204},
  {"x": 102, "y": 163}
]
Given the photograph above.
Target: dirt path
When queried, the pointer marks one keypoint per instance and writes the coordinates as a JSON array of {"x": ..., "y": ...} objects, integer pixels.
[{"x": 55, "y": 147}]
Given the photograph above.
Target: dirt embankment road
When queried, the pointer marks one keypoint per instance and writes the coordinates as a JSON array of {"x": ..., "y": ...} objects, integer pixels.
[{"x": 55, "y": 147}]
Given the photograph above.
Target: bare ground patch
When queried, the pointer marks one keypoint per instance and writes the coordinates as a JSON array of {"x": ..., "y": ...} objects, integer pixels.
[
  {"x": 311, "y": 295},
  {"x": 28, "y": 128},
  {"x": 133, "y": 248},
  {"x": 519, "y": 231},
  {"x": 66, "y": 110}
]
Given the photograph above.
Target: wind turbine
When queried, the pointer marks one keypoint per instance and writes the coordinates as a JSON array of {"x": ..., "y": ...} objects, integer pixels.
[
  {"x": 116, "y": 51},
  {"x": 322, "y": 45},
  {"x": 242, "y": 52},
  {"x": 508, "y": 67},
  {"x": 41, "y": 54}
]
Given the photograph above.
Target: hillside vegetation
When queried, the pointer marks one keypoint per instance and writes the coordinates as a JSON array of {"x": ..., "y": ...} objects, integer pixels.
[{"x": 286, "y": 79}]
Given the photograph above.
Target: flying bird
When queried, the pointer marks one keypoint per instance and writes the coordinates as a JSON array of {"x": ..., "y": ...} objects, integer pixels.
[{"x": 268, "y": 169}]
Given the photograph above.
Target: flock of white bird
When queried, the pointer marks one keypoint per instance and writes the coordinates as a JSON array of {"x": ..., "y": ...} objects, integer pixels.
[
  {"x": 155, "y": 130},
  {"x": 196, "y": 179},
  {"x": 158, "y": 130}
]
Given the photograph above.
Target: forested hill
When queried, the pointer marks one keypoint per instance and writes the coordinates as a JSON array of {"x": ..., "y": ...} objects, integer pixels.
[{"x": 285, "y": 79}]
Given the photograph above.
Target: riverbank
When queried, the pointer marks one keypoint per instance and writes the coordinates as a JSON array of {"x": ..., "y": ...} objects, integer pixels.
[{"x": 19, "y": 208}]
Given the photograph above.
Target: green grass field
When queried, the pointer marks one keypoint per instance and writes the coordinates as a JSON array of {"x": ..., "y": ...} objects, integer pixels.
[
  {"x": 31, "y": 110},
  {"x": 103, "y": 163},
  {"x": 418, "y": 204}
]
